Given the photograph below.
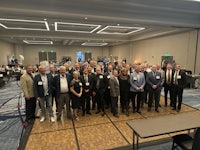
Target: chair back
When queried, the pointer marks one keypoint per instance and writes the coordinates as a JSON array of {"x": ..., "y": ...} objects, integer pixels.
[{"x": 196, "y": 142}]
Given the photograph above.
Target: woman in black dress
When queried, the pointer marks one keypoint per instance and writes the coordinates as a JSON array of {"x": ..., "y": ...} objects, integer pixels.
[
  {"x": 124, "y": 86},
  {"x": 76, "y": 90}
]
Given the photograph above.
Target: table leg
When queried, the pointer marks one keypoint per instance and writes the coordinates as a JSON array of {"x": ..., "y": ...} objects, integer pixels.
[
  {"x": 137, "y": 142},
  {"x": 133, "y": 140}
]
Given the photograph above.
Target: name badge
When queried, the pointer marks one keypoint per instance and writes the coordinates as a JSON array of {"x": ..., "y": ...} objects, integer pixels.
[
  {"x": 108, "y": 77},
  {"x": 40, "y": 83},
  {"x": 1, "y": 75},
  {"x": 100, "y": 77},
  {"x": 108, "y": 87},
  {"x": 158, "y": 77},
  {"x": 80, "y": 84},
  {"x": 87, "y": 84},
  {"x": 178, "y": 77},
  {"x": 135, "y": 78}
]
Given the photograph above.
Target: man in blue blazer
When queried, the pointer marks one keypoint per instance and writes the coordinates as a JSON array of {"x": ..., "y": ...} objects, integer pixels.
[
  {"x": 154, "y": 86},
  {"x": 62, "y": 87},
  {"x": 43, "y": 86},
  {"x": 137, "y": 81}
]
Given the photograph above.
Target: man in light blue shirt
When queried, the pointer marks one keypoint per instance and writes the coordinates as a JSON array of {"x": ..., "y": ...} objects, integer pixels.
[{"x": 137, "y": 81}]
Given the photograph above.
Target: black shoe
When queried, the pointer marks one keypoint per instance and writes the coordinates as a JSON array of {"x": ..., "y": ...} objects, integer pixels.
[
  {"x": 139, "y": 112},
  {"x": 116, "y": 115},
  {"x": 165, "y": 105},
  {"x": 134, "y": 111},
  {"x": 97, "y": 112},
  {"x": 89, "y": 113},
  {"x": 156, "y": 110},
  {"x": 127, "y": 113},
  {"x": 102, "y": 113},
  {"x": 159, "y": 105},
  {"x": 173, "y": 108},
  {"x": 149, "y": 109},
  {"x": 122, "y": 110},
  {"x": 83, "y": 114}
]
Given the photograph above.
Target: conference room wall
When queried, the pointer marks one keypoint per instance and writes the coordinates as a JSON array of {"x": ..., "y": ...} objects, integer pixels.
[
  {"x": 32, "y": 57},
  {"x": 182, "y": 46},
  {"x": 6, "y": 49}
]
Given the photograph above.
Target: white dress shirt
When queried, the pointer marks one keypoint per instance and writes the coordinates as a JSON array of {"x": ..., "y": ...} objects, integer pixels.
[{"x": 63, "y": 84}]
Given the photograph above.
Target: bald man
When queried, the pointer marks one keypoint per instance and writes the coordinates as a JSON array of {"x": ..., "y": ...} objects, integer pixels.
[
  {"x": 43, "y": 88},
  {"x": 62, "y": 87},
  {"x": 154, "y": 80}
]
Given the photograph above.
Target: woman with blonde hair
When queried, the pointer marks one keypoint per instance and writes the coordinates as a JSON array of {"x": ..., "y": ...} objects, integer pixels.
[{"x": 76, "y": 90}]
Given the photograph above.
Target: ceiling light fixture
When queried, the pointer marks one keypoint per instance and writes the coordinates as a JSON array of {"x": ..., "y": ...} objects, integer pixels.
[
  {"x": 75, "y": 26},
  {"x": 24, "y": 21},
  {"x": 37, "y": 42},
  {"x": 93, "y": 44},
  {"x": 130, "y": 30}
]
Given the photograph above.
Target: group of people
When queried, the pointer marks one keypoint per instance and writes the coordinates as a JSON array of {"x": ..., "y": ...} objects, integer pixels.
[{"x": 98, "y": 87}]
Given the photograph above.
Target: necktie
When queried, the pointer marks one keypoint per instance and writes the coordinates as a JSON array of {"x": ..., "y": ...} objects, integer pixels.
[
  {"x": 169, "y": 76},
  {"x": 86, "y": 78}
]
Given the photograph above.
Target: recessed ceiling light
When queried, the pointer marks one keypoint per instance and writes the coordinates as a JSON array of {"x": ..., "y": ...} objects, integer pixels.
[
  {"x": 24, "y": 21},
  {"x": 37, "y": 42},
  {"x": 93, "y": 44},
  {"x": 75, "y": 27},
  {"x": 108, "y": 30},
  {"x": 86, "y": 18}
]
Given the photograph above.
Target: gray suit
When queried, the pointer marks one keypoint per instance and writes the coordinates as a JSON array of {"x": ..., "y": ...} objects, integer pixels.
[
  {"x": 154, "y": 93},
  {"x": 114, "y": 93}
]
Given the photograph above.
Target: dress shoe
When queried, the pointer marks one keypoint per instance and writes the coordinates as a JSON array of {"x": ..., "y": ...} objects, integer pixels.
[
  {"x": 97, "y": 112},
  {"x": 102, "y": 113},
  {"x": 159, "y": 105},
  {"x": 52, "y": 119},
  {"x": 156, "y": 110},
  {"x": 116, "y": 115},
  {"x": 42, "y": 119},
  {"x": 89, "y": 113},
  {"x": 173, "y": 108},
  {"x": 139, "y": 112}
]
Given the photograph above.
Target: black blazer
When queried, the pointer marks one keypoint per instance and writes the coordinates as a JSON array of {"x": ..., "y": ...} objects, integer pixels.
[
  {"x": 90, "y": 81},
  {"x": 38, "y": 89},
  {"x": 102, "y": 84},
  {"x": 182, "y": 82},
  {"x": 57, "y": 83},
  {"x": 165, "y": 78}
]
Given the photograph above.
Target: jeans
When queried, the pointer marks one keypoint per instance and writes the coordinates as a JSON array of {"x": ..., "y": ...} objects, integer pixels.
[{"x": 48, "y": 99}]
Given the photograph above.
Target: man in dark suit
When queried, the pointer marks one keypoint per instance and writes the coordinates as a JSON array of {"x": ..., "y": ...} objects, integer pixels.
[
  {"x": 99, "y": 85},
  {"x": 62, "y": 87},
  {"x": 43, "y": 86},
  {"x": 86, "y": 80},
  {"x": 154, "y": 86},
  {"x": 114, "y": 92},
  {"x": 168, "y": 81},
  {"x": 179, "y": 82},
  {"x": 107, "y": 97}
]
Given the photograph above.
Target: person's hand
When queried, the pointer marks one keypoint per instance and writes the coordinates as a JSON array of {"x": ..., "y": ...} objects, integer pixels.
[
  {"x": 154, "y": 86},
  {"x": 38, "y": 99},
  {"x": 86, "y": 91},
  {"x": 27, "y": 98},
  {"x": 93, "y": 93}
]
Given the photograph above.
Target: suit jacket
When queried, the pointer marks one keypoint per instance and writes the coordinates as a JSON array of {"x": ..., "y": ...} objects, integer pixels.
[
  {"x": 102, "y": 83},
  {"x": 165, "y": 78},
  {"x": 38, "y": 89},
  {"x": 88, "y": 85},
  {"x": 182, "y": 81},
  {"x": 27, "y": 85},
  {"x": 135, "y": 82},
  {"x": 107, "y": 78},
  {"x": 57, "y": 83},
  {"x": 151, "y": 80},
  {"x": 114, "y": 87}
]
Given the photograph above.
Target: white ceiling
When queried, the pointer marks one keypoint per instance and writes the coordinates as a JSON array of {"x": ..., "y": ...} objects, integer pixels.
[{"x": 92, "y": 21}]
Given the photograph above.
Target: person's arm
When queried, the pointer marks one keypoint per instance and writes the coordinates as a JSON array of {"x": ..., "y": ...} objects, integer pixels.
[
  {"x": 24, "y": 87},
  {"x": 35, "y": 83}
]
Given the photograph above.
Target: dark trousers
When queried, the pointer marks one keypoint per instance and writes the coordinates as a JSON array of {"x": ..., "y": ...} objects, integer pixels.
[
  {"x": 168, "y": 88},
  {"x": 146, "y": 96},
  {"x": 154, "y": 94},
  {"x": 133, "y": 99},
  {"x": 177, "y": 92},
  {"x": 100, "y": 100},
  {"x": 107, "y": 97},
  {"x": 85, "y": 102},
  {"x": 114, "y": 105},
  {"x": 30, "y": 108},
  {"x": 93, "y": 101},
  {"x": 124, "y": 100}
]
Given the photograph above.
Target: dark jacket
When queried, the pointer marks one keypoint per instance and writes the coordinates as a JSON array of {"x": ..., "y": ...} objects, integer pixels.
[
  {"x": 102, "y": 83},
  {"x": 182, "y": 81},
  {"x": 38, "y": 87},
  {"x": 57, "y": 83},
  {"x": 88, "y": 85},
  {"x": 151, "y": 80}
]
